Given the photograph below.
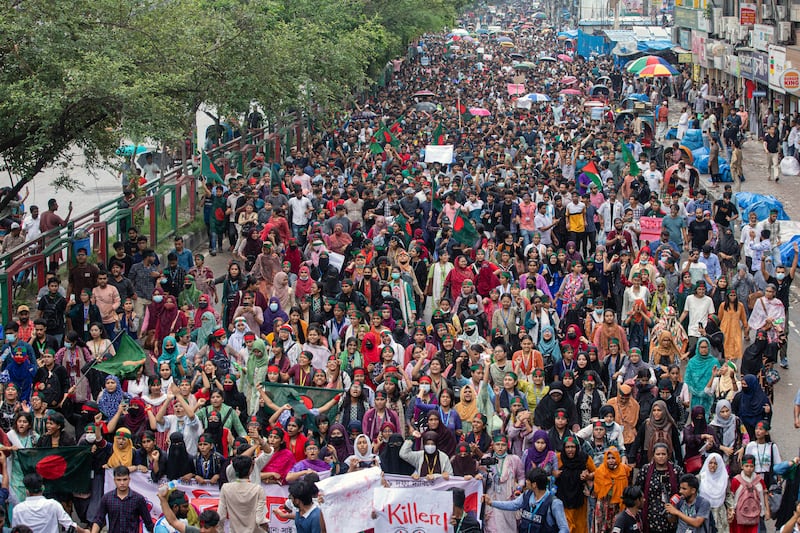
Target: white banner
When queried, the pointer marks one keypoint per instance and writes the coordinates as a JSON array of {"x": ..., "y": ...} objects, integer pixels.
[
  {"x": 418, "y": 510},
  {"x": 442, "y": 153},
  {"x": 204, "y": 497},
  {"x": 347, "y": 500}
]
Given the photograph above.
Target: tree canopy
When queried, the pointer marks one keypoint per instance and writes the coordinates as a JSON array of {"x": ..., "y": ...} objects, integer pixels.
[{"x": 87, "y": 73}]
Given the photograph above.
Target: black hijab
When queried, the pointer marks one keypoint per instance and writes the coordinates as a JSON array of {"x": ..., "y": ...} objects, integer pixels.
[
  {"x": 570, "y": 481},
  {"x": 391, "y": 463},
  {"x": 178, "y": 461},
  {"x": 545, "y": 413}
]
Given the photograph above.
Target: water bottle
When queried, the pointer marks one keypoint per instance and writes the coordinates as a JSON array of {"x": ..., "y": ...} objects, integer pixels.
[{"x": 166, "y": 487}]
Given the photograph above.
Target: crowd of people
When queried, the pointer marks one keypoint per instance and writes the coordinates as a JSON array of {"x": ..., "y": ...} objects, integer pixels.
[{"x": 594, "y": 377}]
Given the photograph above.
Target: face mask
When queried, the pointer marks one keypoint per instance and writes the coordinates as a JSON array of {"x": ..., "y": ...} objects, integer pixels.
[
  {"x": 581, "y": 157},
  {"x": 425, "y": 387},
  {"x": 304, "y": 278},
  {"x": 164, "y": 281},
  {"x": 430, "y": 449},
  {"x": 91, "y": 437},
  {"x": 158, "y": 298},
  {"x": 395, "y": 275},
  {"x": 473, "y": 307},
  {"x": 337, "y": 440},
  {"x": 779, "y": 276},
  {"x": 11, "y": 337},
  {"x": 169, "y": 306},
  {"x": 227, "y": 387},
  {"x": 386, "y": 294},
  {"x": 224, "y": 342},
  {"x": 203, "y": 305},
  {"x": 571, "y": 335},
  {"x": 470, "y": 330},
  {"x": 367, "y": 276},
  {"x": 273, "y": 307},
  {"x": 19, "y": 359},
  {"x": 68, "y": 345}
]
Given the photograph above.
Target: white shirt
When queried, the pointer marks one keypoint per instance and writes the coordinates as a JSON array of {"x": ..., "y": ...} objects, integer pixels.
[
  {"x": 699, "y": 309},
  {"x": 42, "y": 515},
  {"x": 150, "y": 171},
  {"x": 654, "y": 179},
  {"x": 190, "y": 427},
  {"x": 30, "y": 227},
  {"x": 299, "y": 207}
]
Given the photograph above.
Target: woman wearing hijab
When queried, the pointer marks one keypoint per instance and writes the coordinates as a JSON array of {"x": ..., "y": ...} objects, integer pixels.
[
  {"x": 752, "y": 404},
  {"x": 428, "y": 462},
  {"x": 445, "y": 438},
  {"x": 255, "y": 373},
  {"x": 121, "y": 450},
  {"x": 304, "y": 283},
  {"x": 464, "y": 463},
  {"x": 179, "y": 463},
  {"x": 272, "y": 312},
  {"x": 171, "y": 354},
  {"x": 714, "y": 489},
  {"x": 659, "y": 427},
  {"x": 282, "y": 459},
  {"x": 544, "y": 415},
  {"x": 506, "y": 476},
  {"x": 190, "y": 295},
  {"x": 698, "y": 438},
  {"x": 664, "y": 351},
  {"x": 390, "y": 460},
  {"x": 362, "y": 456},
  {"x": 282, "y": 291},
  {"x": 669, "y": 321},
  {"x": 659, "y": 480},
  {"x": 208, "y": 326},
  {"x": 550, "y": 350},
  {"x": 610, "y": 480},
  {"x": 576, "y": 470},
  {"x": 727, "y": 250},
  {"x": 540, "y": 454},
  {"x": 729, "y": 430},
  {"x": 171, "y": 320},
  {"x": 311, "y": 464},
  {"x": 699, "y": 372},
  {"x": 111, "y": 396},
  {"x": 766, "y": 311},
  {"x": 337, "y": 437}
]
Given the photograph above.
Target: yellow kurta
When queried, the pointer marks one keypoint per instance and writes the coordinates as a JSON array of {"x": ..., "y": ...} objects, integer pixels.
[{"x": 731, "y": 324}]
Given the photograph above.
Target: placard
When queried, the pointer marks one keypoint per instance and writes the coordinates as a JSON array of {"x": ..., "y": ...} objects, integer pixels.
[
  {"x": 747, "y": 14},
  {"x": 650, "y": 228},
  {"x": 418, "y": 510},
  {"x": 442, "y": 153}
]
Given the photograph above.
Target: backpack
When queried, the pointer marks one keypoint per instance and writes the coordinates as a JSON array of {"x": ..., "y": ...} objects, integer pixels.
[{"x": 748, "y": 504}]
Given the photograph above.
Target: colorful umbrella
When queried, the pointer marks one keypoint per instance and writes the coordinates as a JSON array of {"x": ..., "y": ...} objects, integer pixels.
[
  {"x": 637, "y": 65},
  {"x": 569, "y": 80},
  {"x": 504, "y": 39},
  {"x": 460, "y": 31},
  {"x": 657, "y": 71},
  {"x": 571, "y": 92},
  {"x": 565, "y": 57},
  {"x": 507, "y": 44},
  {"x": 540, "y": 16},
  {"x": 479, "y": 111},
  {"x": 548, "y": 58},
  {"x": 537, "y": 97},
  {"x": 424, "y": 92}
]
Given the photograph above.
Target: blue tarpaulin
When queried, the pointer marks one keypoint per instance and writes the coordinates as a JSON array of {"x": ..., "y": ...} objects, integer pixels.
[
  {"x": 654, "y": 46},
  {"x": 569, "y": 34},
  {"x": 692, "y": 139},
  {"x": 787, "y": 250},
  {"x": 762, "y": 209},
  {"x": 591, "y": 44}
]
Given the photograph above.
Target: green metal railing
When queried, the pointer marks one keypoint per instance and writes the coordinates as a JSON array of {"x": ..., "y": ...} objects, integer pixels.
[{"x": 162, "y": 202}]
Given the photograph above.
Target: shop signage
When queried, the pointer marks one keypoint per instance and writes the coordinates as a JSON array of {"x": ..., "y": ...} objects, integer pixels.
[
  {"x": 686, "y": 17},
  {"x": 685, "y": 58},
  {"x": 777, "y": 64},
  {"x": 763, "y": 36},
  {"x": 747, "y": 14},
  {"x": 754, "y": 66},
  {"x": 790, "y": 80}
]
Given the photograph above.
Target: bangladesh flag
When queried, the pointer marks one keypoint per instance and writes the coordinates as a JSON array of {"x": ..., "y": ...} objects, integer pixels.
[
  {"x": 126, "y": 362},
  {"x": 385, "y": 136},
  {"x": 397, "y": 127},
  {"x": 436, "y": 200},
  {"x": 592, "y": 173},
  {"x": 208, "y": 170},
  {"x": 438, "y": 136},
  {"x": 627, "y": 156},
  {"x": 64, "y": 469},
  {"x": 463, "y": 111},
  {"x": 464, "y": 231},
  {"x": 374, "y": 146},
  {"x": 302, "y": 399}
]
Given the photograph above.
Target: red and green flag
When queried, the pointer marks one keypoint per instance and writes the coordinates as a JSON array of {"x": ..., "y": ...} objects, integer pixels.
[
  {"x": 593, "y": 174},
  {"x": 63, "y": 469},
  {"x": 303, "y": 399},
  {"x": 627, "y": 156},
  {"x": 126, "y": 361},
  {"x": 385, "y": 136},
  {"x": 436, "y": 201},
  {"x": 397, "y": 127},
  {"x": 463, "y": 111},
  {"x": 438, "y": 137},
  {"x": 208, "y": 170},
  {"x": 464, "y": 230},
  {"x": 374, "y": 146}
]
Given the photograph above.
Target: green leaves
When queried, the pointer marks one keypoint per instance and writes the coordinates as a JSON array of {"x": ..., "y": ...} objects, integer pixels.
[{"x": 89, "y": 73}]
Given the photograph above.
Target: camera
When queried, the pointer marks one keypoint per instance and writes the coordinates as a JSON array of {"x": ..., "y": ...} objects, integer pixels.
[{"x": 489, "y": 461}]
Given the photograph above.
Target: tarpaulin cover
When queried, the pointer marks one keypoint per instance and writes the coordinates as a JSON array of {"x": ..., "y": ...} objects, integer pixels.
[
  {"x": 693, "y": 139},
  {"x": 701, "y": 163},
  {"x": 592, "y": 44},
  {"x": 762, "y": 209},
  {"x": 787, "y": 250},
  {"x": 745, "y": 199}
]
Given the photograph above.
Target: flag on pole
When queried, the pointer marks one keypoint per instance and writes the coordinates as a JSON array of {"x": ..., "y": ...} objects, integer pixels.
[
  {"x": 464, "y": 231},
  {"x": 463, "y": 111},
  {"x": 592, "y": 173},
  {"x": 208, "y": 170},
  {"x": 438, "y": 137},
  {"x": 627, "y": 156},
  {"x": 127, "y": 360},
  {"x": 397, "y": 127},
  {"x": 385, "y": 136},
  {"x": 64, "y": 469},
  {"x": 302, "y": 399}
]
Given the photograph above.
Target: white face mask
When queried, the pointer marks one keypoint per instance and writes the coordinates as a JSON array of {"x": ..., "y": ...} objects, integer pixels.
[
  {"x": 91, "y": 437},
  {"x": 425, "y": 387},
  {"x": 430, "y": 449}
]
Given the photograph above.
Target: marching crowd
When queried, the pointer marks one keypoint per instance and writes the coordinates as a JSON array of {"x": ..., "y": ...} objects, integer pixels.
[{"x": 501, "y": 317}]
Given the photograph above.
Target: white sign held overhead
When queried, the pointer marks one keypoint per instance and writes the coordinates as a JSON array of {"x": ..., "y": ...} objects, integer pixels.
[{"x": 442, "y": 153}]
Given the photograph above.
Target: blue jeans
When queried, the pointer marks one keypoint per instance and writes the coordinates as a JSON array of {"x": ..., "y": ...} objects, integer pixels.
[
  {"x": 527, "y": 237},
  {"x": 299, "y": 233},
  {"x": 216, "y": 240}
]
